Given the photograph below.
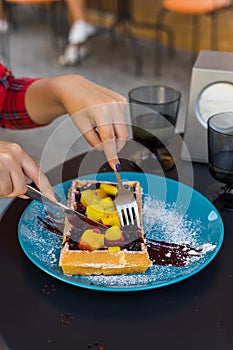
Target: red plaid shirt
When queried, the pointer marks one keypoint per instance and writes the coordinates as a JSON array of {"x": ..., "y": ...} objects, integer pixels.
[{"x": 13, "y": 114}]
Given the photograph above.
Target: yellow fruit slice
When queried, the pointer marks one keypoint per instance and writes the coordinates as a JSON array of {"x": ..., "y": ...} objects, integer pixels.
[
  {"x": 113, "y": 233},
  {"x": 108, "y": 204},
  {"x": 109, "y": 189},
  {"x": 91, "y": 240},
  {"x": 111, "y": 219},
  {"x": 115, "y": 249},
  {"x": 95, "y": 211},
  {"x": 88, "y": 197},
  {"x": 101, "y": 193}
]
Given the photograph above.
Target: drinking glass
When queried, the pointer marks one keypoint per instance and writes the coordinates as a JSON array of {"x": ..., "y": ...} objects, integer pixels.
[
  {"x": 220, "y": 157},
  {"x": 153, "y": 111}
]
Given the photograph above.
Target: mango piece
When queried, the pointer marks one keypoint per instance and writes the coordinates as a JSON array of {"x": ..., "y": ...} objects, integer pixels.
[
  {"x": 113, "y": 233},
  {"x": 111, "y": 219},
  {"x": 108, "y": 204},
  {"x": 95, "y": 211},
  {"x": 91, "y": 240},
  {"x": 111, "y": 209},
  {"x": 106, "y": 201},
  {"x": 109, "y": 189},
  {"x": 114, "y": 249},
  {"x": 101, "y": 193},
  {"x": 88, "y": 197}
]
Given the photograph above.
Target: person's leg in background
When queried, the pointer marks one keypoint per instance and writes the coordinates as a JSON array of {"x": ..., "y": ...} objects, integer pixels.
[{"x": 80, "y": 31}]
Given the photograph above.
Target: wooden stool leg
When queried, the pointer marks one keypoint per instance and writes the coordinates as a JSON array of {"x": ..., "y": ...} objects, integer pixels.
[
  {"x": 55, "y": 18},
  {"x": 195, "y": 44},
  {"x": 195, "y": 34},
  {"x": 137, "y": 55},
  {"x": 214, "y": 31},
  {"x": 124, "y": 17},
  {"x": 158, "y": 40}
]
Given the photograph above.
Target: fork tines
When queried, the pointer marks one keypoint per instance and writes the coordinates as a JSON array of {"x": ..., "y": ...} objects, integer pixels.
[
  {"x": 126, "y": 205},
  {"x": 130, "y": 211}
]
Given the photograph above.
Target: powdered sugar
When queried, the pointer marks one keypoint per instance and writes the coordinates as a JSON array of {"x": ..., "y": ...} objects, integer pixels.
[
  {"x": 164, "y": 221},
  {"x": 41, "y": 244}
]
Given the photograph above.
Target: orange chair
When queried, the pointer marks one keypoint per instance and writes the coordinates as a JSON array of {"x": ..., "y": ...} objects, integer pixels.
[
  {"x": 194, "y": 8},
  {"x": 54, "y": 19}
]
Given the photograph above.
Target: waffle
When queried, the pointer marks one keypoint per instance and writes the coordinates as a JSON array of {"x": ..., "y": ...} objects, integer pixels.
[{"x": 89, "y": 250}]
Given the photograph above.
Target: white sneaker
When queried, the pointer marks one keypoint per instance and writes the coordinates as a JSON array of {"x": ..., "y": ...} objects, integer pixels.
[
  {"x": 80, "y": 32},
  {"x": 4, "y": 26},
  {"x": 73, "y": 54}
]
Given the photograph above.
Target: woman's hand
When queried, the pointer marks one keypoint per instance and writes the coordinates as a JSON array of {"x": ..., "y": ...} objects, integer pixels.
[
  {"x": 96, "y": 111},
  {"x": 15, "y": 166},
  {"x": 104, "y": 128}
]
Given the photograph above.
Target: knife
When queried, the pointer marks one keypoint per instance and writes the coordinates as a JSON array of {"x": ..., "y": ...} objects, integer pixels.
[{"x": 34, "y": 193}]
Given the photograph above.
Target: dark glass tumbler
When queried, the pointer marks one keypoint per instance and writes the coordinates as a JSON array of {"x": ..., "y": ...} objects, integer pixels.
[
  {"x": 220, "y": 157},
  {"x": 154, "y": 110}
]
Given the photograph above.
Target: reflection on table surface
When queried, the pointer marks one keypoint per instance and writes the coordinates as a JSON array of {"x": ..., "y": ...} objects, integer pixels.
[{"x": 41, "y": 312}]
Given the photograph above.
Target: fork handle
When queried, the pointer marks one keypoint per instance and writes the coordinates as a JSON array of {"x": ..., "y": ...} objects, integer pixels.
[
  {"x": 118, "y": 177},
  {"x": 120, "y": 185}
]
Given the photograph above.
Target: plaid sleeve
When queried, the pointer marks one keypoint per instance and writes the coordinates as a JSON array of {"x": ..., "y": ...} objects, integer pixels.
[{"x": 13, "y": 113}]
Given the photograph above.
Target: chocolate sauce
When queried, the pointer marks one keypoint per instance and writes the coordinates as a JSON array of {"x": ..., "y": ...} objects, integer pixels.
[
  {"x": 52, "y": 223},
  {"x": 164, "y": 253},
  {"x": 160, "y": 252}
]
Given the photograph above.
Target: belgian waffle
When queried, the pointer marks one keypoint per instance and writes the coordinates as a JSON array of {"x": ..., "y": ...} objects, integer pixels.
[{"x": 93, "y": 253}]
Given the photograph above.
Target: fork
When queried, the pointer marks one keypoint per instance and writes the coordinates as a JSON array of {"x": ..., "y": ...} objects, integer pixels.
[{"x": 125, "y": 202}]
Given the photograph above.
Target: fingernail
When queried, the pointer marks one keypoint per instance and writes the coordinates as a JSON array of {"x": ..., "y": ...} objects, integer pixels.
[{"x": 118, "y": 167}]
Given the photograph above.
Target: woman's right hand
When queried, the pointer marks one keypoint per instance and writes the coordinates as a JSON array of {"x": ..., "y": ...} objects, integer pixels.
[{"x": 15, "y": 166}]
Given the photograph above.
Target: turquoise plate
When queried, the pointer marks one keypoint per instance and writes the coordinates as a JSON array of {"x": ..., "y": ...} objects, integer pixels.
[{"x": 172, "y": 212}]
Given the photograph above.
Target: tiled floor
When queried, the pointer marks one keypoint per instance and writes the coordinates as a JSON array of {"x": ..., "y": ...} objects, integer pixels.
[{"x": 33, "y": 54}]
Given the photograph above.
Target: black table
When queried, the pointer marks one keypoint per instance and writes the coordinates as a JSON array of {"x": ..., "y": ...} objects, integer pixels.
[{"x": 40, "y": 312}]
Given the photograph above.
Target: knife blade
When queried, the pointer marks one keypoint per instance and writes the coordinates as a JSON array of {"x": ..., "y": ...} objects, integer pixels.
[{"x": 34, "y": 193}]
